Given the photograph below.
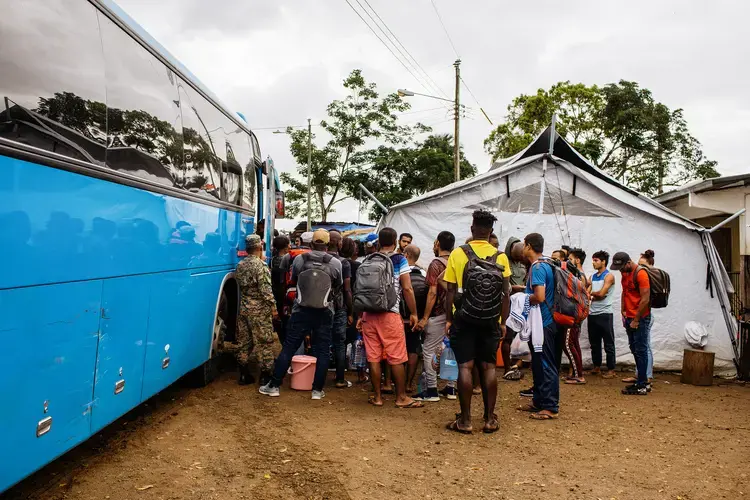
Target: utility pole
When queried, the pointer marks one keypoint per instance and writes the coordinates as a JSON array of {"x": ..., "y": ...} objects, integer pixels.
[
  {"x": 456, "y": 111},
  {"x": 309, "y": 173}
]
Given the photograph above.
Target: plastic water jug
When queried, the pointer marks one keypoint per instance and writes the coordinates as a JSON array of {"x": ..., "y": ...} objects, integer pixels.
[
  {"x": 360, "y": 357},
  {"x": 448, "y": 364},
  {"x": 350, "y": 356}
]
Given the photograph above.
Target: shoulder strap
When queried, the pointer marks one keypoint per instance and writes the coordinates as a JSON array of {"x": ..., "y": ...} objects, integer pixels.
[
  {"x": 494, "y": 257},
  {"x": 327, "y": 258},
  {"x": 469, "y": 252},
  {"x": 635, "y": 275}
]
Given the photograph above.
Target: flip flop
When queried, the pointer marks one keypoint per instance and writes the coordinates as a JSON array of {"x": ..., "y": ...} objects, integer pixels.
[
  {"x": 543, "y": 416},
  {"x": 629, "y": 380},
  {"x": 476, "y": 391},
  {"x": 413, "y": 404},
  {"x": 386, "y": 391},
  {"x": 453, "y": 426},
  {"x": 371, "y": 400},
  {"x": 608, "y": 375},
  {"x": 491, "y": 429},
  {"x": 529, "y": 407},
  {"x": 575, "y": 381}
]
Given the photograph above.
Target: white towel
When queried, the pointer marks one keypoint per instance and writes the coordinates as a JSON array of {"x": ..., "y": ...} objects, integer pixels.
[
  {"x": 535, "y": 325},
  {"x": 519, "y": 312}
]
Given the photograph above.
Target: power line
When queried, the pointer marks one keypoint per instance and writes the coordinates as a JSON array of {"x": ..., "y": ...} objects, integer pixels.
[
  {"x": 445, "y": 29},
  {"x": 429, "y": 78},
  {"x": 476, "y": 100},
  {"x": 423, "y": 110},
  {"x": 388, "y": 47}
]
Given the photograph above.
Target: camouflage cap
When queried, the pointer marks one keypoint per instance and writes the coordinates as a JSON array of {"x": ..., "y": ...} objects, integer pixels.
[{"x": 252, "y": 242}]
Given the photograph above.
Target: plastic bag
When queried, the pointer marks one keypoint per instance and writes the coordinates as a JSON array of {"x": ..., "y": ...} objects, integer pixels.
[
  {"x": 696, "y": 334},
  {"x": 519, "y": 349},
  {"x": 448, "y": 364}
]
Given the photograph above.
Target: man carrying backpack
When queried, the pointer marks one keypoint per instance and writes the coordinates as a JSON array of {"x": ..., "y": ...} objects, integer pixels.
[
  {"x": 433, "y": 318},
  {"x": 636, "y": 316},
  {"x": 316, "y": 274},
  {"x": 342, "y": 299},
  {"x": 380, "y": 279},
  {"x": 477, "y": 277},
  {"x": 414, "y": 337}
]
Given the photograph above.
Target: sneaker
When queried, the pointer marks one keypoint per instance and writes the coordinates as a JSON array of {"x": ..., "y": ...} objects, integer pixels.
[
  {"x": 318, "y": 394},
  {"x": 449, "y": 392},
  {"x": 269, "y": 390},
  {"x": 634, "y": 390},
  {"x": 527, "y": 393},
  {"x": 430, "y": 395},
  {"x": 648, "y": 387}
]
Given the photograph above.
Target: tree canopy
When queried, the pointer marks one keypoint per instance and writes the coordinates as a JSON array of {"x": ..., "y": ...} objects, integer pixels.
[
  {"x": 367, "y": 144},
  {"x": 620, "y": 127}
]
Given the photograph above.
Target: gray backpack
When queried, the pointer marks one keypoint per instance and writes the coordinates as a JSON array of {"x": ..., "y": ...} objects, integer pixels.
[
  {"x": 315, "y": 281},
  {"x": 376, "y": 290}
]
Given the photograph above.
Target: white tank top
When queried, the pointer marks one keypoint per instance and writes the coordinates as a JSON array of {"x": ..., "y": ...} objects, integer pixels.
[{"x": 603, "y": 306}]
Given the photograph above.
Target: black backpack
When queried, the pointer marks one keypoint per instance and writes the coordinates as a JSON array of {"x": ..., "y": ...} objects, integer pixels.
[
  {"x": 481, "y": 301},
  {"x": 659, "y": 283},
  {"x": 421, "y": 290},
  {"x": 315, "y": 282}
]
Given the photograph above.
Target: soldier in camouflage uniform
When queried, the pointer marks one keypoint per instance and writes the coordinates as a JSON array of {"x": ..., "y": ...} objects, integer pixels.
[{"x": 257, "y": 310}]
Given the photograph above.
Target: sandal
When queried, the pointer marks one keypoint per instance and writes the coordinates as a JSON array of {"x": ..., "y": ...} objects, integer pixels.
[
  {"x": 371, "y": 400},
  {"x": 413, "y": 404},
  {"x": 575, "y": 381},
  {"x": 491, "y": 425},
  {"x": 543, "y": 416},
  {"x": 476, "y": 390},
  {"x": 513, "y": 374},
  {"x": 529, "y": 407},
  {"x": 609, "y": 375},
  {"x": 386, "y": 391},
  {"x": 629, "y": 380},
  {"x": 454, "y": 426}
]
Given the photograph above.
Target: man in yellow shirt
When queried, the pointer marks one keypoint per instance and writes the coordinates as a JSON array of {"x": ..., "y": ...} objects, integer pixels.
[{"x": 475, "y": 328}]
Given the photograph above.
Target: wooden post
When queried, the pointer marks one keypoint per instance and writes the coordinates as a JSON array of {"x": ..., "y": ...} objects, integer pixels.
[{"x": 697, "y": 367}]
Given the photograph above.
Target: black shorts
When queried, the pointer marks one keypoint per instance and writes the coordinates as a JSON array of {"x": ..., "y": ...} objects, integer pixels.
[
  {"x": 413, "y": 341},
  {"x": 472, "y": 343}
]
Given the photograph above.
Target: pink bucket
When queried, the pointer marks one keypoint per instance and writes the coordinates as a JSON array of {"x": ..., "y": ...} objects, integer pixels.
[{"x": 302, "y": 372}]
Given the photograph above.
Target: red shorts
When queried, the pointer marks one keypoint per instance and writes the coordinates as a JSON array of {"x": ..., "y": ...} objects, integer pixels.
[{"x": 383, "y": 334}]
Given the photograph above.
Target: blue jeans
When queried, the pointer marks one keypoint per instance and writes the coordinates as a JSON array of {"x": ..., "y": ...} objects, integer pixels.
[
  {"x": 545, "y": 371},
  {"x": 338, "y": 333},
  {"x": 639, "y": 344},
  {"x": 305, "y": 320},
  {"x": 650, "y": 365}
]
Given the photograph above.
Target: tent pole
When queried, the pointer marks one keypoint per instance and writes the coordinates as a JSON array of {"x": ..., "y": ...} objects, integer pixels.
[
  {"x": 726, "y": 221},
  {"x": 552, "y": 134},
  {"x": 372, "y": 197},
  {"x": 544, "y": 183}
]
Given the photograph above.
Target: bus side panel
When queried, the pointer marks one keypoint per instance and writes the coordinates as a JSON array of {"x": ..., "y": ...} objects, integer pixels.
[
  {"x": 49, "y": 339},
  {"x": 122, "y": 348},
  {"x": 59, "y": 226},
  {"x": 181, "y": 321}
]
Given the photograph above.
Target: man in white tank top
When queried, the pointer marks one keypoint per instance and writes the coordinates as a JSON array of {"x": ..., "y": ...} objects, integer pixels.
[{"x": 601, "y": 319}]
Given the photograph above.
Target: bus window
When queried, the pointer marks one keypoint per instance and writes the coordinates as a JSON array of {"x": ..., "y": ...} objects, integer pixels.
[
  {"x": 231, "y": 180},
  {"x": 241, "y": 149},
  {"x": 201, "y": 163},
  {"x": 52, "y": 88},
  {"x": 144, "y": 129}
]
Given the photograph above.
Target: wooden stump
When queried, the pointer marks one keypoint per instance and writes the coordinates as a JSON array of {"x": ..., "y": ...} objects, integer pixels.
[{"x": 697, "y": 367}]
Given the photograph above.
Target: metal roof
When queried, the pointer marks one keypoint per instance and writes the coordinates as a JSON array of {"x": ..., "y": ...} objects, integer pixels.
[{"x": 715, "y": 184}]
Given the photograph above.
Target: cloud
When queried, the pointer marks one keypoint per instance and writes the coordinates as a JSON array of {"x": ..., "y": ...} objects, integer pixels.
[{"x": 281, "y": 62}]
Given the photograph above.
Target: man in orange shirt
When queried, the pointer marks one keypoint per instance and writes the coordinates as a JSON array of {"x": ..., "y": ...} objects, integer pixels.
[{"x": 636, "y": 316}]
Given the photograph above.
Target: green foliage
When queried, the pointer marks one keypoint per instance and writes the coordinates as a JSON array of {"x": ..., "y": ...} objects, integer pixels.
[
  {"x": 394, "y": 175},
  {"x": 620, "y": 127},
  {"x": 352, "y": 123}
]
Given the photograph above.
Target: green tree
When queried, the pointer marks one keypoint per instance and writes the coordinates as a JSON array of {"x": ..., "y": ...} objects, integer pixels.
[
  {"x": 620, "y": 127},
  {"x": 394, "y": 174},
  {"x": 362, "y": 117}
]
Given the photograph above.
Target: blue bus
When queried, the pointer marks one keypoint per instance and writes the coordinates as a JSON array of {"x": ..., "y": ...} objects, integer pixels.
[{"x": 128, "y": 192}]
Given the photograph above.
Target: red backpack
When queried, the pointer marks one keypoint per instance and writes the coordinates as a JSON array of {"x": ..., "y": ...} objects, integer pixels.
[{"x": 572, "y": 298}]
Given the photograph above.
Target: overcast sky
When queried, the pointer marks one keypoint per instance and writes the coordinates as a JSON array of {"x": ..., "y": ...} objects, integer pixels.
[{"x": 280, "y": 62}]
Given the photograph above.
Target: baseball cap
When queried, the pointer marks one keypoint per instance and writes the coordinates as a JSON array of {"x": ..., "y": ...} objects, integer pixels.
[
  {"x": 306, "y": 237},
  {"x": 371, "y": 240},
  {"x": 321, "y": 236},
  {"x": 619, "y": 260}
]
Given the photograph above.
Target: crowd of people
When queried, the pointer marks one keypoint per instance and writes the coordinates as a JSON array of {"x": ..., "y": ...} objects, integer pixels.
[{"x": 319, "y": 295}]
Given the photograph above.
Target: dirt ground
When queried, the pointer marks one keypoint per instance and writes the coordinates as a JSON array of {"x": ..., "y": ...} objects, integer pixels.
[{"x": 228, "y": 442}]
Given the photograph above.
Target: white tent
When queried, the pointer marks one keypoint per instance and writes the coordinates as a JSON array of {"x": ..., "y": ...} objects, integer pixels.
[{"x": 569, "y": 201}]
